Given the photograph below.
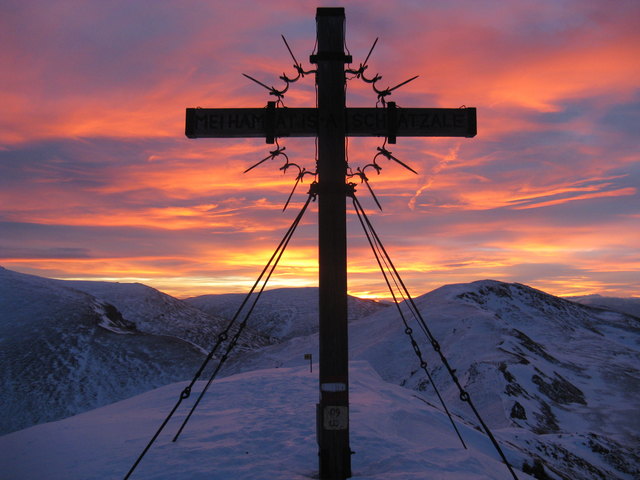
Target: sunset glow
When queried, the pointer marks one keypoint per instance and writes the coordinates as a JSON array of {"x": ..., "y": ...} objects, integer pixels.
[{"x": 99, "y": 182}]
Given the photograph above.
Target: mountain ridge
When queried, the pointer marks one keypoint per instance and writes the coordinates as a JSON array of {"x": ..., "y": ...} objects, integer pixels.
[
  {"x": 565, "y": 372},
  {"x": 64, "y": 351},
  {"x": 559, "y": 380},
  {"x": 284, "y": 313}
]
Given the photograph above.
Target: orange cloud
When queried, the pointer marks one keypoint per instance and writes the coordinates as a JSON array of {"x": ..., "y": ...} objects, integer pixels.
[{"x": 94, "y": 159}]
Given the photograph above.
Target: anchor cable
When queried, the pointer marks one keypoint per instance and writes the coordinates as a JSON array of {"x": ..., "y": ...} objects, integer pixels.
[
  {"x": 380, "y": 256},
  {"x": 271, "y": 266},
  {"x": 464, "y": 395},
  {"x": 222, "y": 337}
]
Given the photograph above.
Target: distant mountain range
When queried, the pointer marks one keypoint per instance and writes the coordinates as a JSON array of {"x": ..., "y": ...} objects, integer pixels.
[
  {"x": 283, "y": 313},
  {"x": 558, "y": 380},
  {"x": 630, "y": 306}
]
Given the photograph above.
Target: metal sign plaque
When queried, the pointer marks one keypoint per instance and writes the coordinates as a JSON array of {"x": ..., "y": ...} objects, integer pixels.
[
  {"x": 336, "y": 418},
  {"x": 304, "y": 122}
]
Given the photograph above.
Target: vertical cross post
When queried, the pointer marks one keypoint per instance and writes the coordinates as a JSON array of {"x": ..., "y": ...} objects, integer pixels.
[{"x": 333, "y": 409}]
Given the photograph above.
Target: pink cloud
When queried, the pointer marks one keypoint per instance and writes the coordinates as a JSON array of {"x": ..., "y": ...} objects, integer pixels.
[{"x": 91, "y": 139}]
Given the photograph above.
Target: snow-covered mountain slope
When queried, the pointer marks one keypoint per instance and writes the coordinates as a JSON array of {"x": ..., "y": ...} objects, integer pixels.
[
  {"x": 155, "y": 312},
  {"x": 564, "y": 374},
  {"x": 64, "y": 351},
  {"x": 630, "y": 306},
  {"x": 254, "y": 426},
  {"x": 558, "y": 381},
  {"x": 282, "y": 313}
]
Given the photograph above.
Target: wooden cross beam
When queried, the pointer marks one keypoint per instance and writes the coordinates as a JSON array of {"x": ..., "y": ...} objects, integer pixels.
[
  {"x": 272, "y": 122},
  {"x": 331, "y": 122}
]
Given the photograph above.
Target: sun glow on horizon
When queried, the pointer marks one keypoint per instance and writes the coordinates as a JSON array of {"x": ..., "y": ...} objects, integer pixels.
[{"x": 98, "y": 181}]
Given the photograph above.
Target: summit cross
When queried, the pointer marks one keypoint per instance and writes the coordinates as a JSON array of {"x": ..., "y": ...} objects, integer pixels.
[{"x": 331, "y": 122}]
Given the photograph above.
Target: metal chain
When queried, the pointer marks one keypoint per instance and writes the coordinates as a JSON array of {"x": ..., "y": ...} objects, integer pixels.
[
  {"x": 376, "y": 248},
  {"x": 464, "y": 395},
  {"x": 271, "y": 264}
]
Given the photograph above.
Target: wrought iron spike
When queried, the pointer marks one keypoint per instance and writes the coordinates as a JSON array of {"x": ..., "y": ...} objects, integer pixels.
[
  {"x": 363, "y": 66},
  {"x": 258, "y": 82},
  {"x": 403, "y": 83},
  {"x": 375, "y": 199},
  {"x": 387, "y": 153},
  {"x": 295, "y": 61}
]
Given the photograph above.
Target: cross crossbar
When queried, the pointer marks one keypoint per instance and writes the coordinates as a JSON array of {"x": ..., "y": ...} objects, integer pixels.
[{"x": 304, "y": 122}]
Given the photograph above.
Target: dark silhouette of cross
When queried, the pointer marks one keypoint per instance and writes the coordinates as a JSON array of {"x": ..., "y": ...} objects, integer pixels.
[{"x": 331, "y": 122}]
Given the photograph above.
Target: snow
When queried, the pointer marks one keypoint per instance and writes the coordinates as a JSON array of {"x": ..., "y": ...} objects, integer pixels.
[
  {"x": 252, "y": 426},
  {"x": 58, "y": 359},
  {"x": 512, "y": 345},
  {"x": 281, "y": 313},
  {"x": 558, "y": 383},
  {"x": 157, "y": 313}
]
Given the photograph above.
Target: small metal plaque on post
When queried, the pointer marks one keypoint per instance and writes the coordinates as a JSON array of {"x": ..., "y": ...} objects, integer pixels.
[{"x": 336, "y": 417}]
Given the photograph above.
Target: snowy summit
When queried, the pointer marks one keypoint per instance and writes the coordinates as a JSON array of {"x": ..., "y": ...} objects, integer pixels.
[{"x": 556, "y": 381}]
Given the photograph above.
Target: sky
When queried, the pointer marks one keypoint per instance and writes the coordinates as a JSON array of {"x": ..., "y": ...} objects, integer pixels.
[{"x": 99, "y": 182}]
